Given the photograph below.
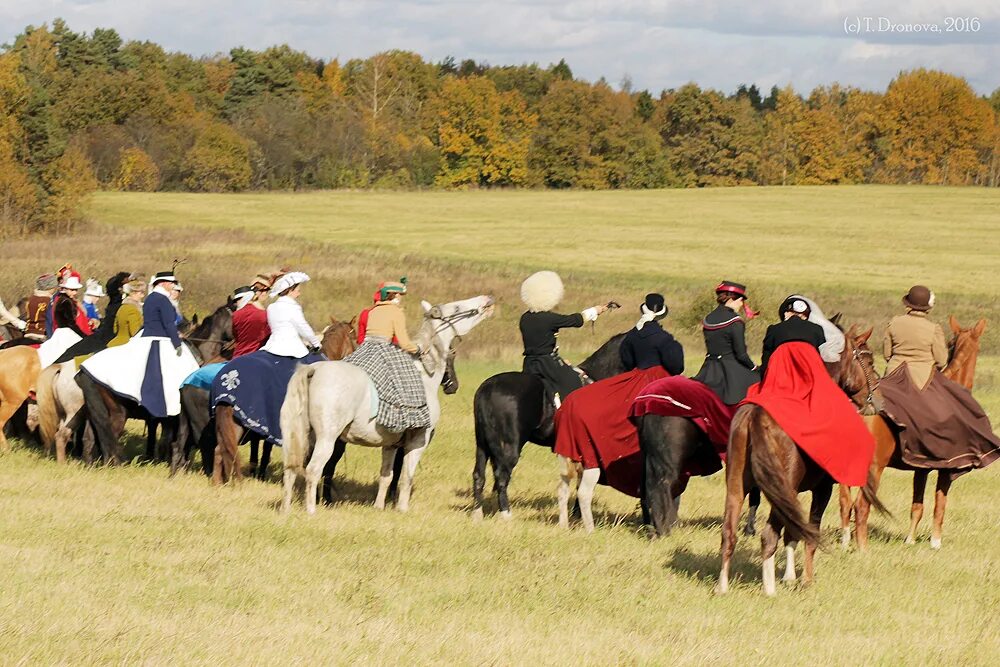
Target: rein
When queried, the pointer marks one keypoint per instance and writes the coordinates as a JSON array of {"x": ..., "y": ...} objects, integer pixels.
[{"x": 868, "y": 408}]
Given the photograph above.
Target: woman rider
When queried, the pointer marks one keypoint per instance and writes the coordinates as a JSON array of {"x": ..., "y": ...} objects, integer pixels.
[
  {"x": 401, "y": 394},
  {"x": 728, "y": 370},
  {"x": 794, "y": 325},
  {"x": 541, "y": 292}
]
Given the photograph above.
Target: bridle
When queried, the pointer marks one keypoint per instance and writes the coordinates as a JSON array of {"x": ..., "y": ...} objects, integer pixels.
[
  {"x": 448, "y": 322},
  {"x": 868, "y": 407}
]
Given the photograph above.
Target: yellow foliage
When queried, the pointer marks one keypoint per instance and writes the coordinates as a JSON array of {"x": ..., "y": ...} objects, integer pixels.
[{"x": 137, "y": 171}]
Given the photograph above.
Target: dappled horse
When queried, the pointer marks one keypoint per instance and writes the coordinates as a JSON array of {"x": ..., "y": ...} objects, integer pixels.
[
  {"x": 761, "y": 452},
  {"x": 513, "y": 408},
  {"x": 337, "y": 340},
  {"x": 331, "y": 401},
  {"x": 961, "y": 368},
  {"x": 19, "y": 370}
]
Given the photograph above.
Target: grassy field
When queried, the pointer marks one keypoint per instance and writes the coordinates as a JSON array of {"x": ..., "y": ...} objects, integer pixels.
[{"x": 125, "y": 565}]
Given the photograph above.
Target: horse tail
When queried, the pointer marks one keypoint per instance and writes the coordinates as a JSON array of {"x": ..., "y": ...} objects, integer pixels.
[
  {"x": 295, "y": 420},
  {"x": 772, "y": 478},
  {"x": 48, "y": 410},
  {"x": 871, "y": 497}
]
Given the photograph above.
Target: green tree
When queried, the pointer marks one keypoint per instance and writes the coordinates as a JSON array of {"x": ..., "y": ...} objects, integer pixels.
[
  {"x": 219, "y": 161},
  {"x": 137, "y": 171},
  {"x": 69, "y": 181}
]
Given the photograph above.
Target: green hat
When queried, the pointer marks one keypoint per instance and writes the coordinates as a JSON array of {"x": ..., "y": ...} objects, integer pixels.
[{"x": 392, "y": 288}]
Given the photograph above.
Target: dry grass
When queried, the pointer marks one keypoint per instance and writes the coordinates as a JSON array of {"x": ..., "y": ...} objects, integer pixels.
[{"x": 125, "y": 565}]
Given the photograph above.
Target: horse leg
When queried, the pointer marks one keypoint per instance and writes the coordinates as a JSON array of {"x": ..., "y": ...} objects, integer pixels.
[
  {"x": 568, "y": 471},
  {"x": 478, "y": 483},
  {"x": 750, "y": 529},
  {"x": 410, "y": 461},
  {"x": 585, "y": 494},
  {"x": 254, "y": 452},
  {"x": 330, "y": 469},
  {"x": 790, "y": 545},
  {"x": 178, "y": 446},
  {"x": 917, "y": 506},
  {"x": 397, "y": 473},
  {"x": 768, "y": 547},
  {"x": 314, "y": 470},
  {"x": 225, "y": 464},
  {"x": 385, "y": 476},
  {"x": 88, "y": 442},
  {"x": 737, "y": 475},
  {"x": 503, "y": 468},
  {"x": 150, "y": 440},
  {"x": 820, "y": 499},
  {"x": 846, "y": 505},
  {"x": 885, "y": 445},
  {"x": 940, "y": 503},
  {"x": 862, "y": 509},
  {"x": 100, "y": 418},
  {"x": 265, "y": 458},
  {"x": 7, "y": 410}
]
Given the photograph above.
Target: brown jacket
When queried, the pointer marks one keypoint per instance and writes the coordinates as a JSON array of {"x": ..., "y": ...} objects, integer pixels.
[
  {"x": 915, "y": 340},
  {"x": 386, "y": 319}
]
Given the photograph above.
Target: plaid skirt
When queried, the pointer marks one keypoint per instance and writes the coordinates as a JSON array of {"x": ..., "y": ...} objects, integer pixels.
[{"x": 402, "y": 401}]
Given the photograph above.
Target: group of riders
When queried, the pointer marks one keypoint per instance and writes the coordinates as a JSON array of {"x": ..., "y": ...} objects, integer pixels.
[{"x": 135, "y": 349}]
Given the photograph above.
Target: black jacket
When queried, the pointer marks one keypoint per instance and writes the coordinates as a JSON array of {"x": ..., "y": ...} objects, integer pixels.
[
  {"x": 792, "y": 329},
  {"x": 539, "y": 331},
  {"x": 64, "y": 314},
  {"x": 652, "y": 346},
  {"x": 728, "y": 370}
]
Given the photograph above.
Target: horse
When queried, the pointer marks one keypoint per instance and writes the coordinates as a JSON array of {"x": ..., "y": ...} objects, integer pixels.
[
  {"x": 334, "y": 399},
  {"x": 337, "y": 340},
  {"x": 19, "y": 370},
  {"x": 513, "y": 408},
  {"x": 780, "y": 468},
  {"x": 108, "y": 412},
  {"x": 961, "y": 368}
]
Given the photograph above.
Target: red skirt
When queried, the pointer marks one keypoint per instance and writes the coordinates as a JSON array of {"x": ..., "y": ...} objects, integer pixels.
[
  {"x": 593, "y": 428},
  {"x": 809, "y": 406}
]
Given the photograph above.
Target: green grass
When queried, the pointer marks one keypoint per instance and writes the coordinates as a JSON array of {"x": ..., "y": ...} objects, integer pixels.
[{"x": 125, "y": 565}]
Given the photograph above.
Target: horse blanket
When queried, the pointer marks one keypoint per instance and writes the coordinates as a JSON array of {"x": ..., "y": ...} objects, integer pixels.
[
  {"x": 809, "y": 406},
  {"x": 146, "y": 370},
  {"x": 255, "y": 385},
  {"x": 204, "y": 376},
  {"x": 593, "y": 428},
  {"x": 940, "y": 426},
  {"x": 402, "y": 399},
  {"x": 680, "y": 396}
]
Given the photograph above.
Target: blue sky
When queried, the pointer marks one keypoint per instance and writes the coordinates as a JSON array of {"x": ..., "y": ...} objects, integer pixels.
[{"x": 657, "y": 43}]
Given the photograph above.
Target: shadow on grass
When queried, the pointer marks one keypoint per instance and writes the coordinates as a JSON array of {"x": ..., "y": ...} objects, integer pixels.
[{"x": 705, "y": 567}]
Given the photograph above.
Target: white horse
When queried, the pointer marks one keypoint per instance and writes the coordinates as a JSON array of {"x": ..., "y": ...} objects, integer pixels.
[
  {"x": 334, "y": 399},
  {"x": 60, "y": 405}
]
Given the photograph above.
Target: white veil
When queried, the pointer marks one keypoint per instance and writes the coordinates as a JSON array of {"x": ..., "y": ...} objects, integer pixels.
[{"x": 831, "y": 350}]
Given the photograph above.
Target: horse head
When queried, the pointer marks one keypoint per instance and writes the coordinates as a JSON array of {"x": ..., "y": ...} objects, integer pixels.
[
  {"x": 444, "y": 326},
  {"x": 856, "y": 374},
  {"x": 338, "y": 339},
  {"x": 963, "y": 351}
]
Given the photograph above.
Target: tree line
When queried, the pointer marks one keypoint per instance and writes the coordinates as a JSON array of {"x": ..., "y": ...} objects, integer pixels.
[{"x": 83, "y": 111}]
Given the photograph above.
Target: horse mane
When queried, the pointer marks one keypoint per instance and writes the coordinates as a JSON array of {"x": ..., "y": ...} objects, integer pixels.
[{"x": 606, "y": 361}]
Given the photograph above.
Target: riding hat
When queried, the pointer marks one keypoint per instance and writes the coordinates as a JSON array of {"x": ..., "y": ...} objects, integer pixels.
[
  {"x": 71, "y": 280},
  {"x": 794, "y": 304},
  {"x": 287, "y": 281},
  {"x": 243, "y": 295},
  {"x": 135, "y": 283},
  {"x": 919, "y": 298},
  {"x": 94, "y": 288},
  {"x": 163, "y": 277},
  {"x": 729, "y": 287},
  {"x": 653, "y": 308},
  {"x": 386, "y": 289},
  {"x": 47, "y": 281},
  {"x": 542, "y": 291}
]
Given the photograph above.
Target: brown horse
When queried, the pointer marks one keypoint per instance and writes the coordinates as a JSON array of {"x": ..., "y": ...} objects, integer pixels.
[
  {"x": 338, "y": 340},
  {"x": 961, "y": 368},
  {"x": 760, "y": 453},
  {"x": 19, "y": 370}
]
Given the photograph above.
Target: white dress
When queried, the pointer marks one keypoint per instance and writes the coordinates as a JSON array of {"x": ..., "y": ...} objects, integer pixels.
[{"x": 289, "y": 330}]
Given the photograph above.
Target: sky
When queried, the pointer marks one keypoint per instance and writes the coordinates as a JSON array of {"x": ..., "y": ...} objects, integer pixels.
[{"x": 657, "y": 44}]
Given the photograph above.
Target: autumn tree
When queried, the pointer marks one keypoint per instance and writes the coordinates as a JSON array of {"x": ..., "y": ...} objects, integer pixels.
[
  {"x": 69, "y": 181},
  {"x": 137, "y": 171},
  {"x": 219, "y": 161}
]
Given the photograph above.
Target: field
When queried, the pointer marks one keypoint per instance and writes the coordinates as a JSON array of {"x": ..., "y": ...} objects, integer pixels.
[{"x": 126, "y": 565}]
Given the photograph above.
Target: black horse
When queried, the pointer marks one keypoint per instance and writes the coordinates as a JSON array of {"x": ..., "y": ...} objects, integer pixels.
[
  {"x": 108, "y": 412},
  {"x": 513, "y": 408}
]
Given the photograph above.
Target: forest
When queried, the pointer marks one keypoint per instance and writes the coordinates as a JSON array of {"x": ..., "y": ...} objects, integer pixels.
[{"x": 80, "y": 112}]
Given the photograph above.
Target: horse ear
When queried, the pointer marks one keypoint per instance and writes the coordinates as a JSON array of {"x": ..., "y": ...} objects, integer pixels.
[
  {"x": 836, "y": 318},
  {"x": 980, "y": 327},
  {"x": 354, "y": 322},
  {"x": 194, "y": 320},
  {"x": 426, "y": 306},
  {"x": 953, "y": 323},
  {"x": 863, "y": 338},
  {"x": 333, "y": 320}
]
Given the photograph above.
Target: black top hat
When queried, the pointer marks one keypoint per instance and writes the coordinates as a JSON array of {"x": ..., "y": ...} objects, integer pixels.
[
  {"x": 732, "y": 288},
  {"x": 654, "y": 304}
]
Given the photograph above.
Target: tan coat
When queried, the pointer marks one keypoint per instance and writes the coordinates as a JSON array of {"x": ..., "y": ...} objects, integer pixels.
[
  {"x": 387, "y": 319},
  {"x": 915, "y": 340}
]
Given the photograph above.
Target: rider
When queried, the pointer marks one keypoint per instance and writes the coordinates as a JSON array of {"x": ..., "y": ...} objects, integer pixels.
[
  {"x": 363, "y": 316},
  {"x": 66, "y": 312},
  {"x": 915, "y": 340},
  {"x": 647, "y": 344},
  {"x": 291, "y": 335},
  {"x": 541, "y": 292},
  {"x": 90, "y": 298},
  {"x": 128, "y": 319},
  {"x": 7, "y": 317},
  {"x": 728, "y": 370},
  {"x": 794, "y": 314},
  {"x": 401, "y": 394},
  {"x": 38, "y": 306},
  {"x": 250, "y": 328}
]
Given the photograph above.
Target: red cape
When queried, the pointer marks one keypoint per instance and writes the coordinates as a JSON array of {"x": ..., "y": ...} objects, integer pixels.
[
  {"x": 593, "y": 428},
  {"x": 799, "y": 394}
]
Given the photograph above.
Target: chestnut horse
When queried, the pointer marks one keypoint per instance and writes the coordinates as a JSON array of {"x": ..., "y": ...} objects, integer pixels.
[
  {"x": 761, "y": 453},
  {"x": 338, "y": 340},
  {"x": 19, "y": 370},
  {"x": 961, "y": 368}
]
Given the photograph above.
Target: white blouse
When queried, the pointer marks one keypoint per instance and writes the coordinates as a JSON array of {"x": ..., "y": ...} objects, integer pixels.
[{"x": 290, "y": 333}]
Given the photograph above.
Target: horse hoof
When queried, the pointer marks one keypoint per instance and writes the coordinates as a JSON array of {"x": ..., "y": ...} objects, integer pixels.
[
  {"x": 749, "y": 530},
  {"x": 935, "y": 543},
  {"x": 506, "y": 515},
  {"x": 845, "y": 538},
  {"x": 909, "y": 540},
  {"x": 477, "y": 515}
]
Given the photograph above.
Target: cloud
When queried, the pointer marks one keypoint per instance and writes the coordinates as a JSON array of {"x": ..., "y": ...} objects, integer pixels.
[{"x": 658, "y": 44}]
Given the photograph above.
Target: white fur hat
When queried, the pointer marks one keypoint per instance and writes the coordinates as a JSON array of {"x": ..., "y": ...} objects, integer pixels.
[{"x": 542, "y": 291}]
